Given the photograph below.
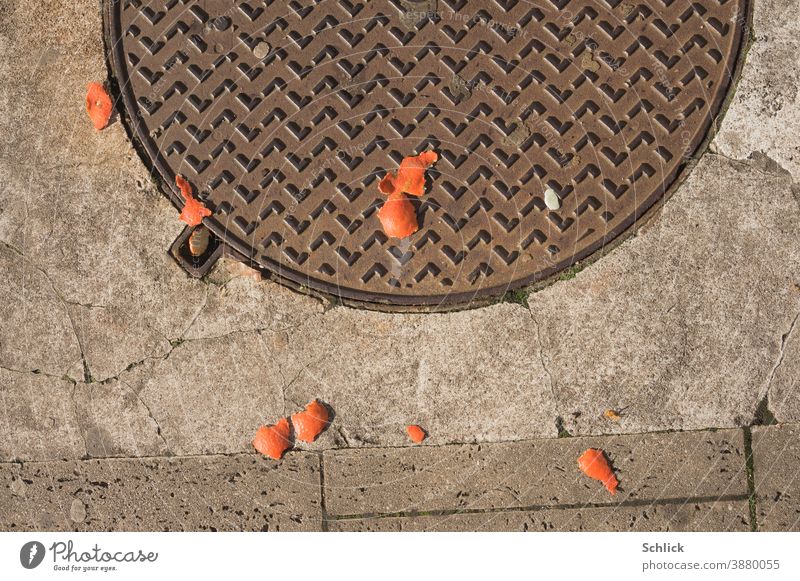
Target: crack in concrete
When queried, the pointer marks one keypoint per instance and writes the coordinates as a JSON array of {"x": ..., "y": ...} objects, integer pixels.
[
  {"x": 781, "y": 354},
  {"x": 542, "y": 360},
  {"x": 138, "y": 396},
  {"x": 64, "y": 377}
]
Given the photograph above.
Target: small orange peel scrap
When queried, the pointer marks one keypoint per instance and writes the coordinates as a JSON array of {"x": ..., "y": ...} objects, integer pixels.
[
  {"x": 193, "y": 210},
  {"x": 594, "y": 464},
  {"x": 310, "y": 423},
  {"x": 410, "y": 177},
  {"x": 273, "y": 441},
  {"x": 98, "y": 105},
  {"x": 398, "y": 217},
  {"x": 416, "y": 433}
]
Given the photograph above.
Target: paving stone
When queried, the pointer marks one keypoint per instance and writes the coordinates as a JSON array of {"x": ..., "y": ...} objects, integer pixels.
[
  {"x": 776, "y": 467},
  {"x": 688, "y": 516},
  {"x": 226, "y": 493},
  {"x": 705, "y": 466},
  {"x": 210, "y": 395},
  {"x": 39, "y": 418},
  {"x": 763, "y": 116}
]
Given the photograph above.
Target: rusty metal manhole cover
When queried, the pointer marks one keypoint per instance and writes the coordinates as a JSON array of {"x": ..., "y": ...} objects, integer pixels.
[{"x": 285, "y": 115}]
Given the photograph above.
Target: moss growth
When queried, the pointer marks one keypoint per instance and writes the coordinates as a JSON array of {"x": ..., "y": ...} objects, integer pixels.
[{"x": 519, "y": 297}]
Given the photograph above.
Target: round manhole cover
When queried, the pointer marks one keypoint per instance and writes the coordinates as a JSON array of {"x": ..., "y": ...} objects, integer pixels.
[{"x": 557, "y": 123}]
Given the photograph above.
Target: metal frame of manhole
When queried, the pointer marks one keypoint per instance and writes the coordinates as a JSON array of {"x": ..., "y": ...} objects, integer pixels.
[{"x": 285, "y": 115}]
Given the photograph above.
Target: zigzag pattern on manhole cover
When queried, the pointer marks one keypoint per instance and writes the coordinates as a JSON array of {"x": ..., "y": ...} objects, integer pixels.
[{"x": 285, "y": 115}]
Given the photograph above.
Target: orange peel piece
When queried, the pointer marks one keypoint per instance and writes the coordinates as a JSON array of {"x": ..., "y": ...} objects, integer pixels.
[
  {"x": 98, "y": 105},
  {"x": 398, "y": 217},
  {"x": 416, "y": 433},
  {"x": 410, "y": 178},
  {"x": 594, "y": 464},
  {"x": 273, "y": 441},
  {"x": 309, "y": 423},
  {"x": 193, "y": 210}
]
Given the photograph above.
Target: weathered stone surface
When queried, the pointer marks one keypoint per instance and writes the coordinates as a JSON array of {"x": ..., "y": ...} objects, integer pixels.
[
  {"x": 776, "y": 467},
  {"x": 49, "y": 51},
  {"x": 467, "y": 376},
  {"x": 243, "y": 304},
  {"x": 37, "y": 333},
  {"x": 226, "y": 493},
  {"x": 39, "y": 418},
  {"x": 700, "y": 465},
  {"x": 764, "y": 114},
  {"x": 680, "y": 326},
  {"x": 683, "y": 516},
  {"x": 210, "y": 396},
  {"x": 115, "y": 421}
]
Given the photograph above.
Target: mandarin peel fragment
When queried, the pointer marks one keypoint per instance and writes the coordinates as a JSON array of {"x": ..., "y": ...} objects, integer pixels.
[
  {"x": 416, "y": 433},
  {"x": 594, "y": 464},
  {"x": 309, "y": 423},
  {"x": 98, "y": 105},
  {"x": 193, "y": 209},
  {"x": 410, "y": 177},
  {"x": 398, "y": 216},
  {"x": 273, "y": 441}
]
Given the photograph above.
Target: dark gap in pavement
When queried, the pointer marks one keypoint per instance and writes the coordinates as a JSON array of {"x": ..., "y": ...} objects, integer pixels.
[{"x": 751, "y": 480}]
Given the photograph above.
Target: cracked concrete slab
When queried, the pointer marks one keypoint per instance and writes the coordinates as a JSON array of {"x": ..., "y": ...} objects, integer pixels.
[
  {"x": 115, "y": 421},
  {"x": 242, "y": 304},
  {"x": 468, "y": 376},
  {"x": 764, "y": 115},
  {"x": 101, "y": 241},
  {"x": 209, "y": 395},
  {"x": 39, "y": 418},
  {"x": 38, "y": 333},
  {"x": 225, "y": 493}
]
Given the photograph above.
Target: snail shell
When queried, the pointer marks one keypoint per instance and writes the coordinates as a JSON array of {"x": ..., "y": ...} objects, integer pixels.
[{"x": 198, "y": 241}]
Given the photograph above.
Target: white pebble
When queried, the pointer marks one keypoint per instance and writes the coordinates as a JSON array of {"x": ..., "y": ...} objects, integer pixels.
[
  {"x": 77, "y": 512},
  {"x": 261, "y": 50},
  {"x": 551, "y": 199}
]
